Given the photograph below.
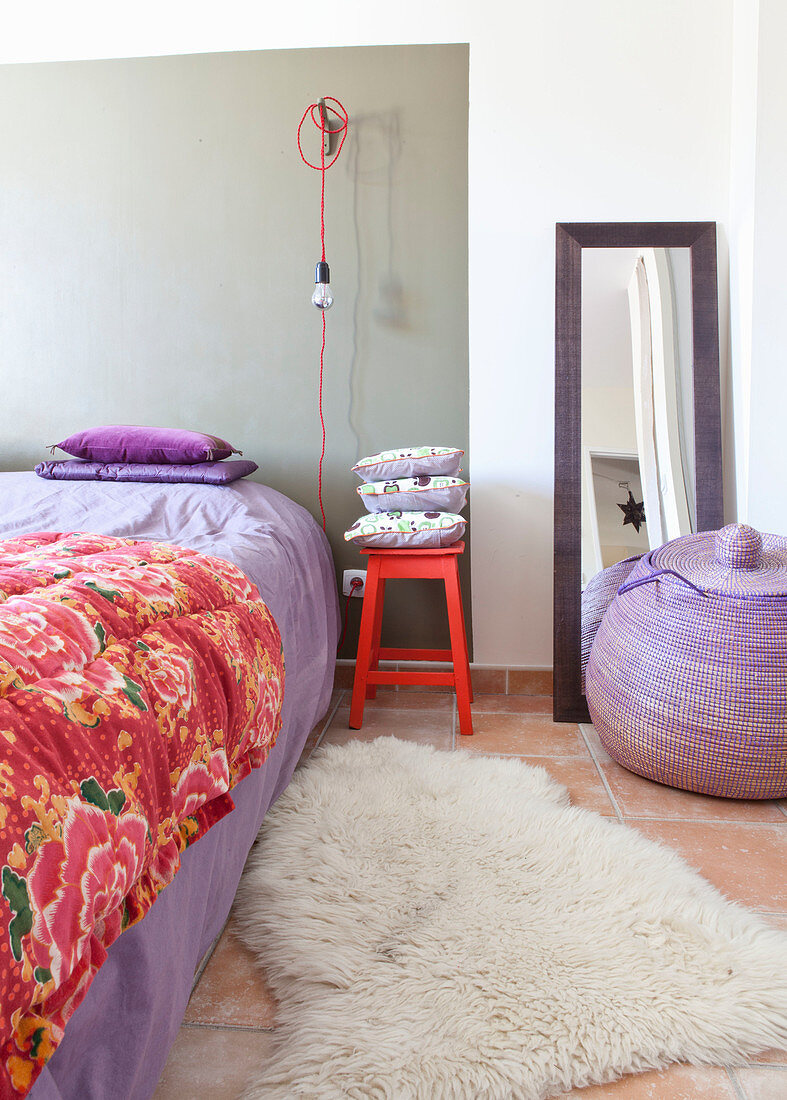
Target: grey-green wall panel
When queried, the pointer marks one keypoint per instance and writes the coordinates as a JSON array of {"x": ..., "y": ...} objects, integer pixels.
[{"x": 158, "y": 235}]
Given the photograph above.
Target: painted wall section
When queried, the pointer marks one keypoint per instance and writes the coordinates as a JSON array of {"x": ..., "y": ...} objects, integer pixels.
[
  {"x": 767, "y": 503},
  {"x": 612, "y": 111},
  {"x": 743, "y": 157},
  {"x": 160, "y": 234}
]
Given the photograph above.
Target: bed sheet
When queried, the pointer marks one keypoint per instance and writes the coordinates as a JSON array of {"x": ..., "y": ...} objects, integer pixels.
[{"x": 117, "y": 1040}]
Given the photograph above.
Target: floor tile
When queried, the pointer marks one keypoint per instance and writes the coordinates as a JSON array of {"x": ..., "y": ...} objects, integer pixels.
[
  {"x": 778, "y": 920},
  {"x": 763, "y": 1082},
  {"x": 640, "y": 797},
  {"x": 224, "y": 1040},
  {"x": 581, "y": 780},
  {"x": 529, "y": 682},
  {"x": 412, "y": 700},
  {"x": 745, "y": 862},
  {"x": 773, "y": 1056},
  {"x": 337, "y": 696},
  {"x": 432, "y": 727},
  {"x": 311, "y": 741},
  {"x": 231, "y": 990},
  {"x": 212, "y": 1063},
  {"x": 513, "y": 704},
  {"x": 674, "y": 1083},
  {"x": 523, "y": 735}
]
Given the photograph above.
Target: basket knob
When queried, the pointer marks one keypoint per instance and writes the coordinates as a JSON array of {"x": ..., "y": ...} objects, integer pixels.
[{"x": 738, "y": 546}]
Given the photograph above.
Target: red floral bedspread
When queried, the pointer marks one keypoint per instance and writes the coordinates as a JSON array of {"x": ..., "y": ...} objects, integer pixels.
[{"x": 138, "y": 683}]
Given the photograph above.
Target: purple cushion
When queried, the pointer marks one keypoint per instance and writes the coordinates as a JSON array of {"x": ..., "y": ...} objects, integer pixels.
[
  {"x": 206, "y": 473},
  {"x": 133, "y": 443}
]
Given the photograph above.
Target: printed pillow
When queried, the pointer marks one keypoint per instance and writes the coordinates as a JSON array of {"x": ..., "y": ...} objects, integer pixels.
[
  {"x": 413, "y": 494},
  {"x": 409, "y": 462},
  {"x": 408, "y": 530},
  {"x": 133, "y": 443},
  {"x": 198, "y": 473}
]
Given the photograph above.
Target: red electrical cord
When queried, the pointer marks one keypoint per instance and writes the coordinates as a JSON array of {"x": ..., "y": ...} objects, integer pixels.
[
  {"x": 324, "y": 129},
  {"x": 321, "y": 123},
  {"x": 322, "y": 424}
]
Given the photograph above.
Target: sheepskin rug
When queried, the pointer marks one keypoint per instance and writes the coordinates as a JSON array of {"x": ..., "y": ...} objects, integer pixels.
[{"x": 437, "y": 925}]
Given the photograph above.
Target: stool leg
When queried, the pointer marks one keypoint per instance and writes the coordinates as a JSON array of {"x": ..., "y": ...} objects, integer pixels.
[
  {"x": 464, "y": 635},
  {"x": 458, "y": 645},
  {"x": 374, "y": 663},
  {"x": 365, "y": 642}
]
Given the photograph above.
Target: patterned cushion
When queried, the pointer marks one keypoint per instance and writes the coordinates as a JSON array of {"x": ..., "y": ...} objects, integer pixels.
[
  {"x": 409, "y": 462},
  {"x": 422, "y": 493},
  {"x": 388, "y": 530}
]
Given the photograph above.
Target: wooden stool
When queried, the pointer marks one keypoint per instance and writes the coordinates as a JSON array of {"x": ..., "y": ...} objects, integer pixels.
[{"x": 437, "y": 564}]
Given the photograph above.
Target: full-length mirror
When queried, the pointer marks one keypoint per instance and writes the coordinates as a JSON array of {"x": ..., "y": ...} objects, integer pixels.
[{"x": 638, "y": 432}]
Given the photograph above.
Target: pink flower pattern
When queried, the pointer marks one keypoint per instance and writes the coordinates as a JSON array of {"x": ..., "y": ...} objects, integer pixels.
[
  {"x": 98, "y": 677},
  {"x": 171, "y": 677},
  {"x": 78, "y": 884},
  {"x": 39, "y": 637},
  {"x": 152, "y": 584},
  {"x": 199, "y": 783}
]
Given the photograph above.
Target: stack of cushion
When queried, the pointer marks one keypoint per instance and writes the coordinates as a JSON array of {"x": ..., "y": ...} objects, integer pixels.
[
  {"x": 413, "y": 496},
  {"x": 126, "y": 452}
]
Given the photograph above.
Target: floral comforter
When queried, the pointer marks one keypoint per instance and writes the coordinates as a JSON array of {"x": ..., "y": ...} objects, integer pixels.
[{"x": 138, "y": 683}]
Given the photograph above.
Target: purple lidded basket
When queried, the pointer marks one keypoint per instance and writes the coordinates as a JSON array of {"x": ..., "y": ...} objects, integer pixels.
[
  {"x": 597, "y": 595},
  {"x": 687, "y": 678}
]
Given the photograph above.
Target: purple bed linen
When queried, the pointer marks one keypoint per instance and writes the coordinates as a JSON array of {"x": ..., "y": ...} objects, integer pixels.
[
  {"x": 197, "y": 473},
  {"x": 117, "y": 1041}
]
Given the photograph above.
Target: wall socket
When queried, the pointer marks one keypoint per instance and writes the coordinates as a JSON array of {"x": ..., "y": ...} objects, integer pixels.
[{"x": 347, "y": 578}]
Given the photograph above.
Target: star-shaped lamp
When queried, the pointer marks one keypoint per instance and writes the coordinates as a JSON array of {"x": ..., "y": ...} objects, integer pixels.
[{"x": 633, "y": 513}]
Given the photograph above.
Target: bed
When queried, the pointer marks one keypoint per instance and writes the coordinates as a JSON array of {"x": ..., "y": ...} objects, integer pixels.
[{"x": 117, "y": 1040}]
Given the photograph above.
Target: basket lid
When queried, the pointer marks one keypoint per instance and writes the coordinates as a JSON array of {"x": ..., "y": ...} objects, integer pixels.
[{"x": 735, "y": 561}]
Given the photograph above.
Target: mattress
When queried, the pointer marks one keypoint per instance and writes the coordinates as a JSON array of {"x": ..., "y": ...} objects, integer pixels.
[{"x": 117, "y": 1041}]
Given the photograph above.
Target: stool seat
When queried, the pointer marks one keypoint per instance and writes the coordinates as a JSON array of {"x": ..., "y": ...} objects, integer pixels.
[{"x": 438, "y": 563}]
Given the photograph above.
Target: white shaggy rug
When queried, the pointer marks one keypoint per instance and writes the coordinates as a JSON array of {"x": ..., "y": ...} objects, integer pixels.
[{"x": 440, "y": 926}]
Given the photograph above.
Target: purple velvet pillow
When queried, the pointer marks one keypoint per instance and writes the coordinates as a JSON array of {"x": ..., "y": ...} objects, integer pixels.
[
  {"x": 200, "y": 473},
  {"x": 133, "y": 443}
]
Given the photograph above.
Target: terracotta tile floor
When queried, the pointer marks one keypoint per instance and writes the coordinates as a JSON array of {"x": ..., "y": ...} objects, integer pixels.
[{"x": 741, "y": 847}]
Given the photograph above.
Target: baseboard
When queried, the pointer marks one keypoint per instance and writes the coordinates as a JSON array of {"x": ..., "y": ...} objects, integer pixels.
[{"x": 487, "y": 679}]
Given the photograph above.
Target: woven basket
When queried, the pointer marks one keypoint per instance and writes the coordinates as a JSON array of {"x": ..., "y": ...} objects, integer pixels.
[
  {"x": 597, "y": 596},
  {"x": 687, "y": 676}
]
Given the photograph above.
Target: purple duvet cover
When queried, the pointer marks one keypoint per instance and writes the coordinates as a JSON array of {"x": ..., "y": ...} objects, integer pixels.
[{"x": 117, "y": 1041}]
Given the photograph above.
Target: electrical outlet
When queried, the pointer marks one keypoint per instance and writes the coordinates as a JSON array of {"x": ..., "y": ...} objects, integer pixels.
[{"x": 347, "y": 579}]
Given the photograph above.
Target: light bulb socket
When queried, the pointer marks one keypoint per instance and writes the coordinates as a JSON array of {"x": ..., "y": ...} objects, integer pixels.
[{"x": 322, "y": 273}]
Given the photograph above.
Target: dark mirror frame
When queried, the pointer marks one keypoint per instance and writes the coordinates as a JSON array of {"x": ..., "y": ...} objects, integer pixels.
[{"x": 569, "y": 703}]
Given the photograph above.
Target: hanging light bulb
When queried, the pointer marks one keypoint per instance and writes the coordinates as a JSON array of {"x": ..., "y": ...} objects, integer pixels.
[{"x": 322, "y": 297}]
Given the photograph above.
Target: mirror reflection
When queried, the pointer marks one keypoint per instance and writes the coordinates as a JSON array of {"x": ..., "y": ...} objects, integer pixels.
[{"x": 638, "y": 478}]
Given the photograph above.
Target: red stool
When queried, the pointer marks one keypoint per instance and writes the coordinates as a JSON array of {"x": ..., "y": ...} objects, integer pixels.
[{"x": 438, "y": 564}]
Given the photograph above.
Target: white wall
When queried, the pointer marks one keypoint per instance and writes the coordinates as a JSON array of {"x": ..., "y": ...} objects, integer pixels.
[
  {"x": 767, "y": 500},
  {"x": 743, "y": 147},
  {"x": 758, "y": 245},
  {"x": 613, "y": 111}
]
